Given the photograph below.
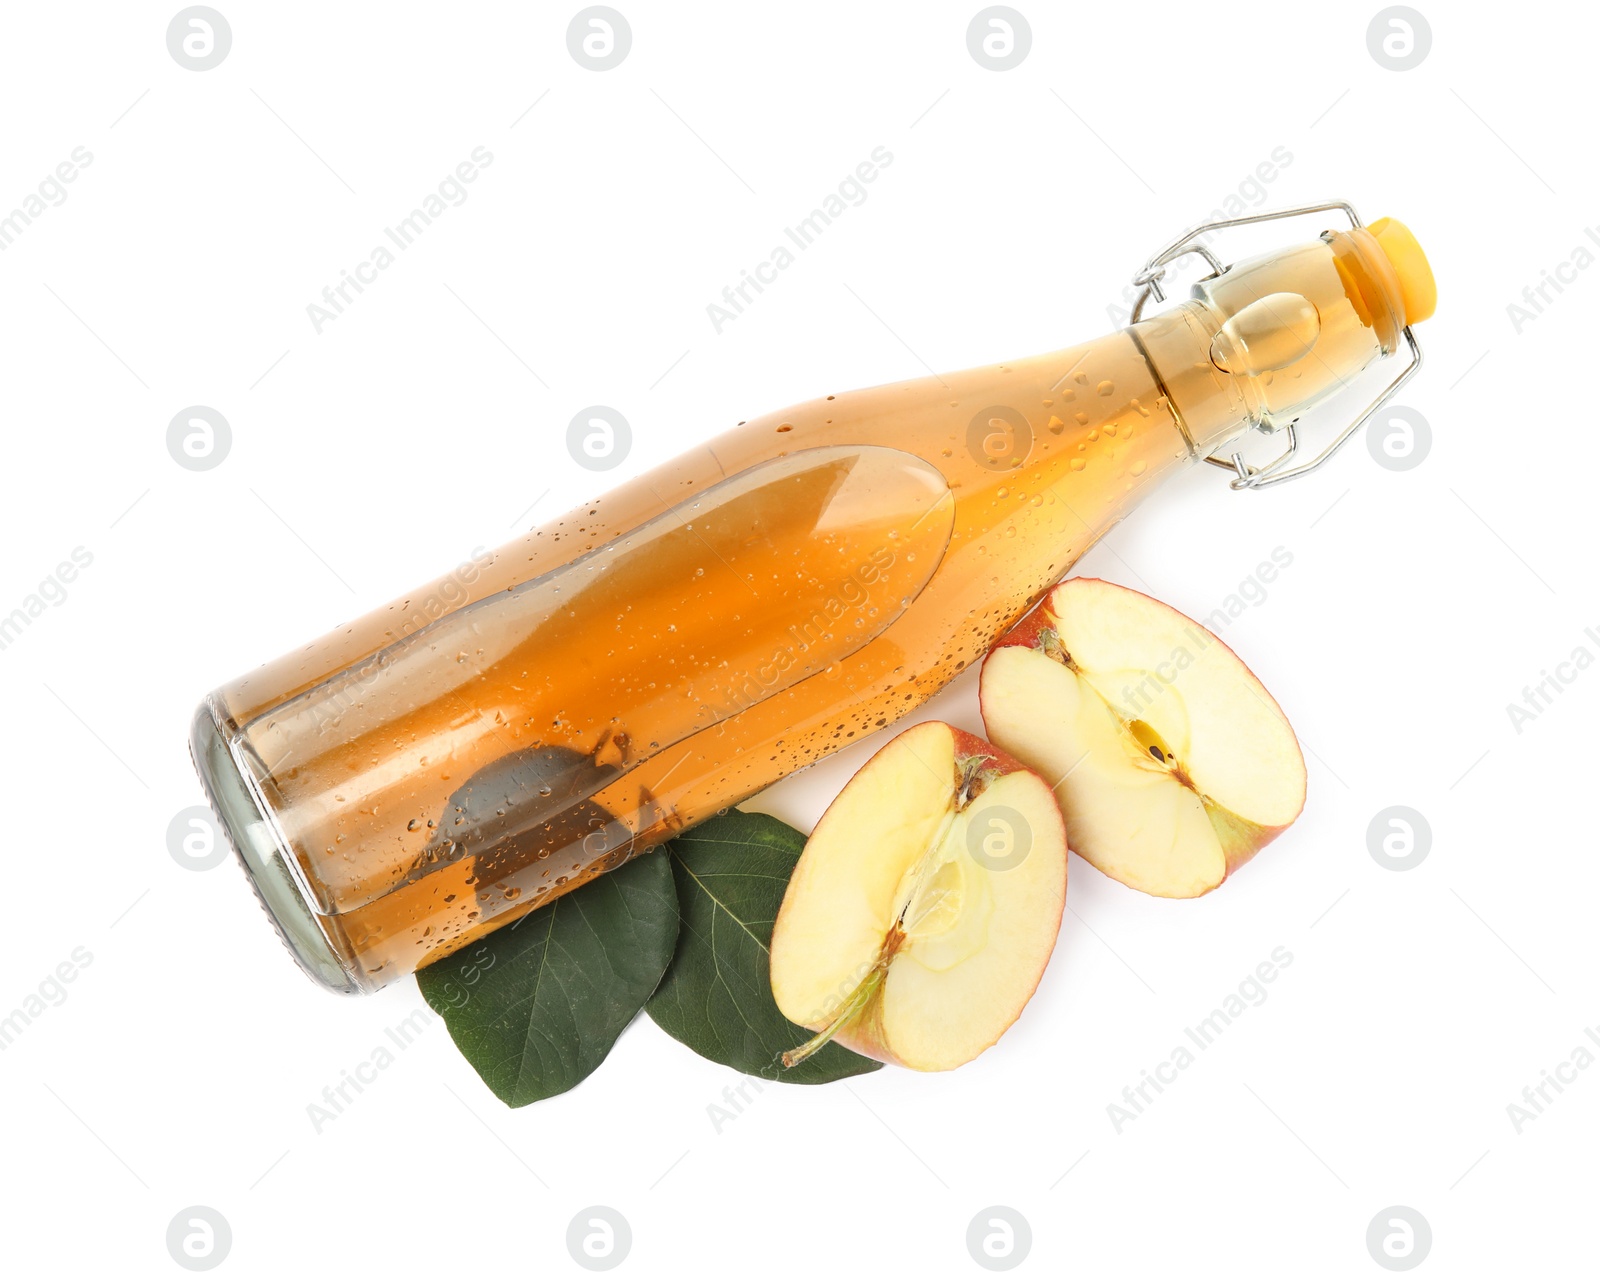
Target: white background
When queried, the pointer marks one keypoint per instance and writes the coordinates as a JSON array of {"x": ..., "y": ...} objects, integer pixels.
[{"x": 429, "y": 417}]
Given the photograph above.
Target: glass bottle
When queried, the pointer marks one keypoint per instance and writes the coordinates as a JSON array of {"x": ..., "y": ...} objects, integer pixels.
[{"x": 454, "y": 759}]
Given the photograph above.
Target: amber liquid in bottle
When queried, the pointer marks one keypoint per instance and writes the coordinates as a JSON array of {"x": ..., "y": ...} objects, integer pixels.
[{"x": 454, "y": 760}]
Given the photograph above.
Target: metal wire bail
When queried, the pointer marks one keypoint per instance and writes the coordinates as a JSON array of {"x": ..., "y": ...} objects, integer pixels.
[{"x": 1149, "y": 280}]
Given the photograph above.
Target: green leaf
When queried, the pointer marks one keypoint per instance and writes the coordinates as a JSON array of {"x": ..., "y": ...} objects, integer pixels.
[
  {"x": 536, "y": 1006},
  {"x": 731, "y": 873}
]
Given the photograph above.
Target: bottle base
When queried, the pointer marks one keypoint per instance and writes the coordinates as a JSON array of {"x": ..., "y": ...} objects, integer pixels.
[{"x": 265, "y": 856}]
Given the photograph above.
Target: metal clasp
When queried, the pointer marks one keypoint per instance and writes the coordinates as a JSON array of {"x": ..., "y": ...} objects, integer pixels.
[{"x": 1149, "y": 281}]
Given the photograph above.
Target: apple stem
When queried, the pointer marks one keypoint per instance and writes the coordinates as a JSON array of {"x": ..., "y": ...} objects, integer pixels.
[
  {"x": 972, "y": 778},
  {"x": 1048, "y": 642},
  {"x": 853, "y": 1006}
]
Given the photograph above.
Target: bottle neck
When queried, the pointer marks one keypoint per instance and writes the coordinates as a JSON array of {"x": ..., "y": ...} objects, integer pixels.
[{"x": 1208, "y": 404}]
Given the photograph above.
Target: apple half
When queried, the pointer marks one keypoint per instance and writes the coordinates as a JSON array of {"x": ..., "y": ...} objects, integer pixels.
[
  {"x": 924, "y": 908},
  {"x": 1172, "y": 764}
]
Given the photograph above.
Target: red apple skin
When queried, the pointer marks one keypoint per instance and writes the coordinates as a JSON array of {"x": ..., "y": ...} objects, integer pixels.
[
  {"x": 866, "y": 1036},
  {"x": 1025, "y": 634},
  {"x": 1237, "y": 853},
  {"x": 970, "y": 744}
]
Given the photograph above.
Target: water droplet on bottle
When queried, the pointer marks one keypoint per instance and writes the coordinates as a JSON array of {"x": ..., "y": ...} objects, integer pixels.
[
  {"x": 1138, "y": 468},
  {"x": 1078, "y": 464}
]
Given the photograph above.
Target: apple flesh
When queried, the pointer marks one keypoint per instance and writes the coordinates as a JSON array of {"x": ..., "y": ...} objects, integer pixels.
[
  {"x": 924, "y": 908},
  {"x": 1172, "y": 765}
]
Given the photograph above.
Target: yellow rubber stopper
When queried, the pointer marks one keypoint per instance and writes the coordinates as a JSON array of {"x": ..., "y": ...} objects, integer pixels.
[{"x": 1418, "y": 293}]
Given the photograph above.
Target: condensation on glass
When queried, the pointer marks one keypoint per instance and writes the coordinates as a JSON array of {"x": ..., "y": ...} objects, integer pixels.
[{"x": 447, "y": 763}]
